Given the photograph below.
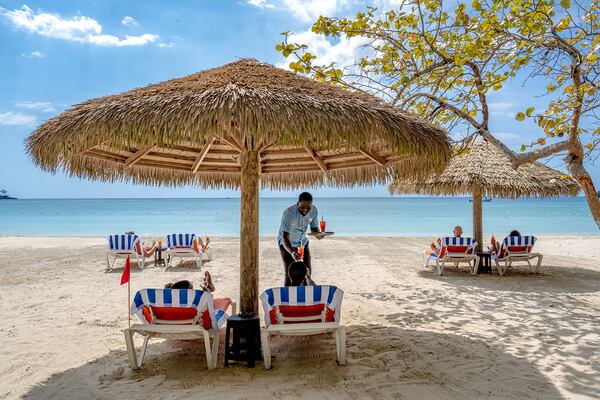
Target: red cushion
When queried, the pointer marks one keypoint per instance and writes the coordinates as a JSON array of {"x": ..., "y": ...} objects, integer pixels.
[
  {"x": 174, "y": 313},
  {"x": 457, "y": 249},
  {"x": 314, "y": 310},
  {"x": 517, "y": 249}
]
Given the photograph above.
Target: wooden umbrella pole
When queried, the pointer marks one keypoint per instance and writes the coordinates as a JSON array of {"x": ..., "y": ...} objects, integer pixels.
[
  {"x": 477, "y": 218},
  {"x": 249, "y": 236}
]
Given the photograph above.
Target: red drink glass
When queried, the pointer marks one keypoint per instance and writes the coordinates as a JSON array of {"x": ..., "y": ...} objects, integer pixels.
[
  {"x": 301, "y": 252},
  {"x": 323, "y": 225}
]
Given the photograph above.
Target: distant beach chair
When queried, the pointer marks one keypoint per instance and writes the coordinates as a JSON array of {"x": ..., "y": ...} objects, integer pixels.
[
  {"x": 177, "y": 314},
  {"x": 517, "y": 249},
  {"x": 302, "y": 310},
  {"x": 184, "y": 245},
  {"x": 455, "y": 250},
  {"x": 123, "y": 246}
]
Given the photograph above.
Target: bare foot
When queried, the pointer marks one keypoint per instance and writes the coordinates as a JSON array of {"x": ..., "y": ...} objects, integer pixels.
[{"x": 208, "y": 282}]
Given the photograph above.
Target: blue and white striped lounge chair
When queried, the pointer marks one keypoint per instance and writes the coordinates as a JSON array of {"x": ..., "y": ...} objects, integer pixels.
[
  {"x": 183, "y": 245},
  {"x": 514, "y": 249},
  {"x": 123, "y": 246},
  {"x": 302, "y": 310},
  {"x": 455, "y": 250},
  {"x": 177, "y": 314}
]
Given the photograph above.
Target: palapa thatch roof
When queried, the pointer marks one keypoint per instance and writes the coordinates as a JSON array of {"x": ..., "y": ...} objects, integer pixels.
[
  {"x": 485, "y": 167},
  {"x": 191, "y": 130}
]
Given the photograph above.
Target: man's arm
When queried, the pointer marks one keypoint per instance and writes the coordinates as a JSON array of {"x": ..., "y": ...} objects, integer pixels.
[{"x": 288, "y": 246}]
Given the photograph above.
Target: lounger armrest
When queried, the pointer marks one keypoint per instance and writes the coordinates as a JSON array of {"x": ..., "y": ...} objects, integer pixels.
[
  {"x": 159, "y": 328},
  {"x": 309, "y": 327}
]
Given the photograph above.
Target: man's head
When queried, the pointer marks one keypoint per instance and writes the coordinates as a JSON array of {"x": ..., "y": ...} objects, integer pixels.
[
  {"x": 514, "y": 233},
  {"x": 297, "y": 272},
  {"x": 457, "y": 231},
  {"x": 305, "y": 202}
]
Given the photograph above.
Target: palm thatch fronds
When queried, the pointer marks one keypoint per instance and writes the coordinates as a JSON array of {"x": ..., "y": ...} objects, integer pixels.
[
  {"x": 486, "y": 168},
  {"x": 192, "y": 130}
]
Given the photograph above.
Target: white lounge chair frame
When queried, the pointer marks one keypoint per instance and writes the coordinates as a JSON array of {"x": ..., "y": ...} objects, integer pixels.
[
  {"x": 184, "y": 252},
  {"x": 304, "y": 329},
  {"x": 502, "y": 264},
  {"x": 469, "y": 257},
  {"x": 187, "y": 329},
  {"x": 124, "y": 254}
]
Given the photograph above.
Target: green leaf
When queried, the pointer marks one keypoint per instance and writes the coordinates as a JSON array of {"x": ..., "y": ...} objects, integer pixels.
[
  {"x": 565, "y": 3},
  {"x": 530, "y": 111},
  {"x": 523, "y": 148},
  {"x": 520, "y": 116}
]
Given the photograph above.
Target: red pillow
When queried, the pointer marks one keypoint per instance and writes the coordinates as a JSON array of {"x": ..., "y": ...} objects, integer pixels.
[
  {"x": 314, "y": 310},
  {"x": 173, "y": 313}
]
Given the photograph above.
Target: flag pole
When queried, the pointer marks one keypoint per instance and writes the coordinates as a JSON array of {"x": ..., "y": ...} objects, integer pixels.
[{"x": 128, "y": 302}]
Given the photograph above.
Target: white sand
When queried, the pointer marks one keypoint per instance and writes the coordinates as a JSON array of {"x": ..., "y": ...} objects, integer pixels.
[{"x": 411, "y": 334}]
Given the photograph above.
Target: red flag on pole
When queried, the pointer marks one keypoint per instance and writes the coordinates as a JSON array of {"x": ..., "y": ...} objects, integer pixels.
[{"x": 126, "y": 272}]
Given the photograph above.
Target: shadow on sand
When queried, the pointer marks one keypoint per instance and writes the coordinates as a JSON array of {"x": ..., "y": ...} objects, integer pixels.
[{"x": 383, "y": 363}]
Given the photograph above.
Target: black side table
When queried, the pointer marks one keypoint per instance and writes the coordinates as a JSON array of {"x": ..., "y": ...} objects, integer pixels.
[
  {"x": 246, "y": 339},
  {"x": 485, "y": 262},
  {"x": 158, "y": 257}
]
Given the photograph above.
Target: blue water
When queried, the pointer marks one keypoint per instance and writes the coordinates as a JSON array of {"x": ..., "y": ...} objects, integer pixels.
[{"x": 346, "y": 216}]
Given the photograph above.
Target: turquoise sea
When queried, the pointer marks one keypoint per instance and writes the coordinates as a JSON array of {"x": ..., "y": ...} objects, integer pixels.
[{"x": 380, "y": 216}]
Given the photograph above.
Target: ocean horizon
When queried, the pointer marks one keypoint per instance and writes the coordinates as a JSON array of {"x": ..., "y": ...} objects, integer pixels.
[{"x": 347, "y": 216}]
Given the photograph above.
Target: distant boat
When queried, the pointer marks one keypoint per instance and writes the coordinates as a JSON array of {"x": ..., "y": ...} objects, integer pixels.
[
  {"x": 5, "y": 196},
  {"x": 486, "y": 199}
]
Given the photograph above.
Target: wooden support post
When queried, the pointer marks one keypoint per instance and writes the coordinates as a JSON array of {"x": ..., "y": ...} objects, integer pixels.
[
  {"x": 477, "y": 218},
  {"x": 249, "y": 236},
  {"x": 316, "y": 158},
  {"x": 376, "y": 158},
  {"x": 135, "y": 157},
  {"x": 201, "y": 156}
]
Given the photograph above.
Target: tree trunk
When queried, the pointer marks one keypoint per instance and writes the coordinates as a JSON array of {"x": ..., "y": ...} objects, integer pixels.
[
  {"x": 249, "y": 236},
  {"x": 477, "y": 218},
  {"x": 574, "y": 162}
]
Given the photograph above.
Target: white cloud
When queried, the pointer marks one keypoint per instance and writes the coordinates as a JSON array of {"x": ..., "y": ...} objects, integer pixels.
[
  {"x": 33, "y": 54},
  {"x": 77, "y": 29},
  {"x": 506, "y": 135},
  {"x": 310, "y": 10},
  {"x": 343, "y": 53},
  {"x": 129, "y": 21},
  {"x": 163, "y": 44},
  {"x": 43, "y": 106},
  {"x": 16, "y": 118},
  {"x": 500, "y": 106},
  {"x": 260, "y": 4}
]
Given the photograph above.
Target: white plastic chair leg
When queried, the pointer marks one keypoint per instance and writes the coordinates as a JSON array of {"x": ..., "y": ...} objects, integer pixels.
[
  {"x": 130, "y": 349},
  {"x": 340, "y": 341},
  {"x": 539, "y": 264},
  {"x": 266, "y": 348},
  {"x": 215, "y": 348},
  {"x": 208, "y": 349},
  {"x": 143, "y": 351}
]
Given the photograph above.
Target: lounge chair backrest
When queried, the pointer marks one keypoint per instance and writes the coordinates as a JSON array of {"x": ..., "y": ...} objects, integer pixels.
[
  {"x": 176, "y": 240},
  {"x": 451, "y": 244},
  {"x": 517, "y": 245},
  {"x": 302, "y": 304},
  {"x": 123, "y": 242},
  {"x": 176, "y": 307}
]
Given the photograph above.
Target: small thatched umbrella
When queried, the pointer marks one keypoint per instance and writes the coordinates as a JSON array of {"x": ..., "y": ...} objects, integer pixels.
[
  {"x": 484, "y": 170},
  {"x": 233, "y": 126}
]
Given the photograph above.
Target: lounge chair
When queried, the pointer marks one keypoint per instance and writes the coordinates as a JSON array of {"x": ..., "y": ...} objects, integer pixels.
[
  {"x": 124, "y": 246},
  {"x": 455, "y": 250},
  {"x": 302, "y": 310},
  {"x": 177, "y": 314},
  {"x": 183, "y": 245},
  {"x": 516, "y": 249}
]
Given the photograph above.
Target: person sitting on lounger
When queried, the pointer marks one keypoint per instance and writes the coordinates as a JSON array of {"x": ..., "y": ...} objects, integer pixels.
[
  {"x": 207, "y": 284},
  {"x": 495, "y": 248},
  {"x": 437, "y": 247},
  {"x": 146, "y": 251},
  {"x": 299, "y": 274}
]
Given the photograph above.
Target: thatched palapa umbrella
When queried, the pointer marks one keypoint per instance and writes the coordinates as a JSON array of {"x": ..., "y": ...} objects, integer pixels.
[
  {"x": 484, "y": 170},
  {"x": 234, "y": 126}
]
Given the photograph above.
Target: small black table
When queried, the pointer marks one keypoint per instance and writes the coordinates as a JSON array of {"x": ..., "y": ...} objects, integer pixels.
[
  {"x": 158, "y": 258},
  {"x": 485, "y": 262},
  {"x": 246, "y": 339}
]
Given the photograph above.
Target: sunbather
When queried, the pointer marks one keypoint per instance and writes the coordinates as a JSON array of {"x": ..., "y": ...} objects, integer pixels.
[
  {"x": 495, "y": 248},
  {"x": 146, "y": 251},
  {"x": 207, "y": 284},
  {"x": 299, "y": 274},
  {"x": 437, "y": 246}
]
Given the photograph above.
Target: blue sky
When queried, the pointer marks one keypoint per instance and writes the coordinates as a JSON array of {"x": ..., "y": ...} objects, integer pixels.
[{"x": 56, "y": 54}]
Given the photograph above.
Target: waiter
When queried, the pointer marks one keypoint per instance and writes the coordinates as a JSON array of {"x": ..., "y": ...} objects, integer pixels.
[{"x": 292, "y": 232}]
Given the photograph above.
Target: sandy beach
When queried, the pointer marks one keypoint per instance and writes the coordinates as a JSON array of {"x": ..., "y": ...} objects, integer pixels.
[{"x": 411, "y": 334}]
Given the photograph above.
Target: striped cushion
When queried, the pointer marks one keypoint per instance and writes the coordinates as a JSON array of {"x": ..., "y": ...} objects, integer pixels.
[
  {"x": 516, "y": 244},
  {"x": 451, "y": 244},
  {"x": 124, "y": 242},
  {"x": 277, "y": 300},
  {"x": 181, "y": 301},
  {"x": 175, "y": 240}
]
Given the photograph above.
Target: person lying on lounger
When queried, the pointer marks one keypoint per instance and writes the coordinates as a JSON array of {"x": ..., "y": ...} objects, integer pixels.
[
  {"x": 299, "y": 274},
  {"x": 495, "y": 248},
  {"x": 207, "y": 284},
  {"x": 437, "y": 246},
  {"x": 146, "y": 251}
]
